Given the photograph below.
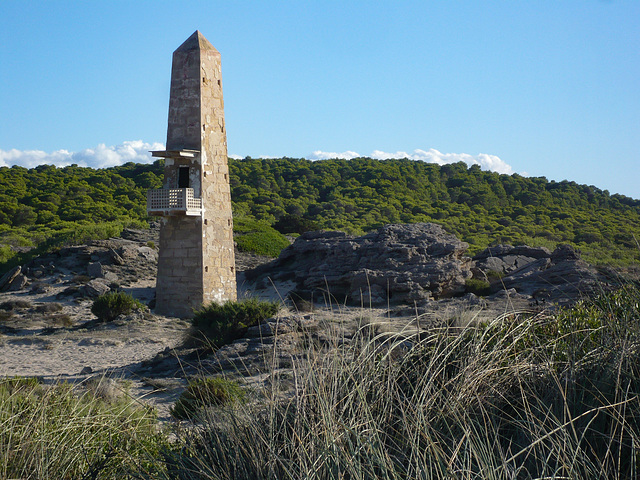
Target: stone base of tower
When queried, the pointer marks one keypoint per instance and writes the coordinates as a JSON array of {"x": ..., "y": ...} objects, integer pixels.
[
  {"x": 179, "y": 281},
  {"x": 187, "y": 276}
]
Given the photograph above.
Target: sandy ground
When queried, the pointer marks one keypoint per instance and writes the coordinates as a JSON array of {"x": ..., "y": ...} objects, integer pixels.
[
  {"x": 50, "y": 344},
  {"x": 57, "y": 338},
  {"x": 37, "y": 346}
]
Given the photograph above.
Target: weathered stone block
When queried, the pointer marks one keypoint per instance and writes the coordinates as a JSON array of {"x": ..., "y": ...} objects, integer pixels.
[{"x": 94, "y": 270}]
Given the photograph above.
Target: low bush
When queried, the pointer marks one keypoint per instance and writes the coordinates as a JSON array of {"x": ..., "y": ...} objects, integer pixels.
[
  {"x": 81, "y": 279},
  {"x": 109, "y": 306},
  {"x": 494, "y": 275},
  {"x": 11, "y": 305},
  {"x": 61, "y": 319},
  {"x": 258, "y": 237},
  {"x": 206, "y": 392},
  {"x": 478, "y": 287},
  {"x": 49, "y": 307},
  {"x": 223, "y": 323}
]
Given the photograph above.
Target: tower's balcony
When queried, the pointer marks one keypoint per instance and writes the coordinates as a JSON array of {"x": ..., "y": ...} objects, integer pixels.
[{"x": 173, "y": 201}]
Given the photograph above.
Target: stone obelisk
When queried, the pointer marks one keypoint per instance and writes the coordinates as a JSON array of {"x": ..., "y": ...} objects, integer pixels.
[{"x": 196, "y": 263}]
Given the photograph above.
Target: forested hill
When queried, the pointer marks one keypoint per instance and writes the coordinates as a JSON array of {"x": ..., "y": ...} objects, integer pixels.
[{"x": 356, "y": 195}]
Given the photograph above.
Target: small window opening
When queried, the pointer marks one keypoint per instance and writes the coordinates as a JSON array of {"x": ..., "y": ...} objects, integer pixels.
[
  {"x": 206, "y": 269},
  {"x": 183, "y": 177}
]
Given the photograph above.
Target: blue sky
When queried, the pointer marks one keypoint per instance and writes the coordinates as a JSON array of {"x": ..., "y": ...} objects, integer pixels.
[{"x": 544, "y": 88}]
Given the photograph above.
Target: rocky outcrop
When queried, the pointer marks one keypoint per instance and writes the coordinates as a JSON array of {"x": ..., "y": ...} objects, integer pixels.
[
  {"x": 396, "y": 263},
  {"x": 504, "y": 259},
  {"x": 558, "y": 276},
  {"x": 399, "y": 264}
]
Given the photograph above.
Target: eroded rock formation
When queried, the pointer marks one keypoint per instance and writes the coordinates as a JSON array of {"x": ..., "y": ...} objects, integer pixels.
[
  {"x": 396, "y": 263},
  {"x": 560, "y": 275}
]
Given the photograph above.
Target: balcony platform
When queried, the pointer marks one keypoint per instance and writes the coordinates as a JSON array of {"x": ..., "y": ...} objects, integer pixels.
[
  {"x": 175, "y": 153},
  {"x": 173, "y": 201}
]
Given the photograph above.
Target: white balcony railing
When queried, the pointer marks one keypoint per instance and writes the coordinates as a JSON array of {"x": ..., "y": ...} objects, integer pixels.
[{"x": 173, "y": 201}]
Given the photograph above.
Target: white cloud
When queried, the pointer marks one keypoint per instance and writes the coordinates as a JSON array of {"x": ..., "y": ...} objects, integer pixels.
[
  {"x": 101, "y": 156},
  {"x": 487, "y": 162},
  {"x": 320, "y": 155},
  {"x": 137, "y": 151}
]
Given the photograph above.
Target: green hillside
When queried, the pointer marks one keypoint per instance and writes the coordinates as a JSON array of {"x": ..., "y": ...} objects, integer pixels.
[{"x": 47, "y": 205}]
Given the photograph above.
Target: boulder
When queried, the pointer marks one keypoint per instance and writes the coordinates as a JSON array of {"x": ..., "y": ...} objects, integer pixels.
[
  {"x": 94, "y": 288},
  {"x": 110, "y": 277},
  {"x": 94, "y": 270},
  {"x": 396, "y": 263},
  {"x": 7, "y": 278},
  {"x": 18, "y": 283},
  {"x": 115, "y": 257},
  {"x": 148, "y": 253},
  {"x": 558, "y": 276}
]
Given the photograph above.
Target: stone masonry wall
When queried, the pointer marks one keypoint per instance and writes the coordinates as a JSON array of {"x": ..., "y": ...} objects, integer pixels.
[
  {"x": 179, "y": 283},
  {"x": 196, "y": 261},
  {"x": 218, "y": 255},
  {"x": 183, "y": 130}
]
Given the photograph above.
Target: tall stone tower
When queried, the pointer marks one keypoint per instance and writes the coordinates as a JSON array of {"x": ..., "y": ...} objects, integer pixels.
[{"x": 196, "y": 261}]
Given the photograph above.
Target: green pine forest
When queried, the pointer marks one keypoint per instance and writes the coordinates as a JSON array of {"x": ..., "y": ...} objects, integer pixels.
[{"x": 46, "y": 207}]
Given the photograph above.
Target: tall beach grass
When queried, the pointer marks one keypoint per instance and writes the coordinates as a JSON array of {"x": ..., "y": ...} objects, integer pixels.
[
  {"x": 65, "y": 432},
  {"x": 524, "y": 396}
]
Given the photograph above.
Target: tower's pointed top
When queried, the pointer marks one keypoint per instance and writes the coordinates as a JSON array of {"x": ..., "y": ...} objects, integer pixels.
[{"x": 196, "y": 42}]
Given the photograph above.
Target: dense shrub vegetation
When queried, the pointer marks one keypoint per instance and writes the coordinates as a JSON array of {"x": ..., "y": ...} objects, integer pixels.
[
  {"x": 111, "y": 305},
  {"x": 223, "y": 323},
  {"x": 48, "y": 206},
  {"x": 480, "y": 207},
  {"x": 258, "y": 237}
]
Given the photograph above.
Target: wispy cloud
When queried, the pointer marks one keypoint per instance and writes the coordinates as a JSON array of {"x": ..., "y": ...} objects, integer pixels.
[
  {"x": 101, "y": 156},
  {"x": 486, "y": 161}
]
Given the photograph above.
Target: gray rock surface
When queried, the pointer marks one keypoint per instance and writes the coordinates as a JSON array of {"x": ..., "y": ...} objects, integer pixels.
[
  {"x": 396, "y": 263},
  {"x": 559, "y": 276},
  {"x": 505, "y": 259},
  {"x": 94, "y": 270},
  {"x": 7, "y": 278},
  {"x": 562, "y": 275},
  {"x": 18, "y": 283},
  {"x": 94, "y": 288}
]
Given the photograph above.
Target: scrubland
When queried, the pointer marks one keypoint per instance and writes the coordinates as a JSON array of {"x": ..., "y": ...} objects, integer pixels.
[{"x": 552, "y": 394}]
